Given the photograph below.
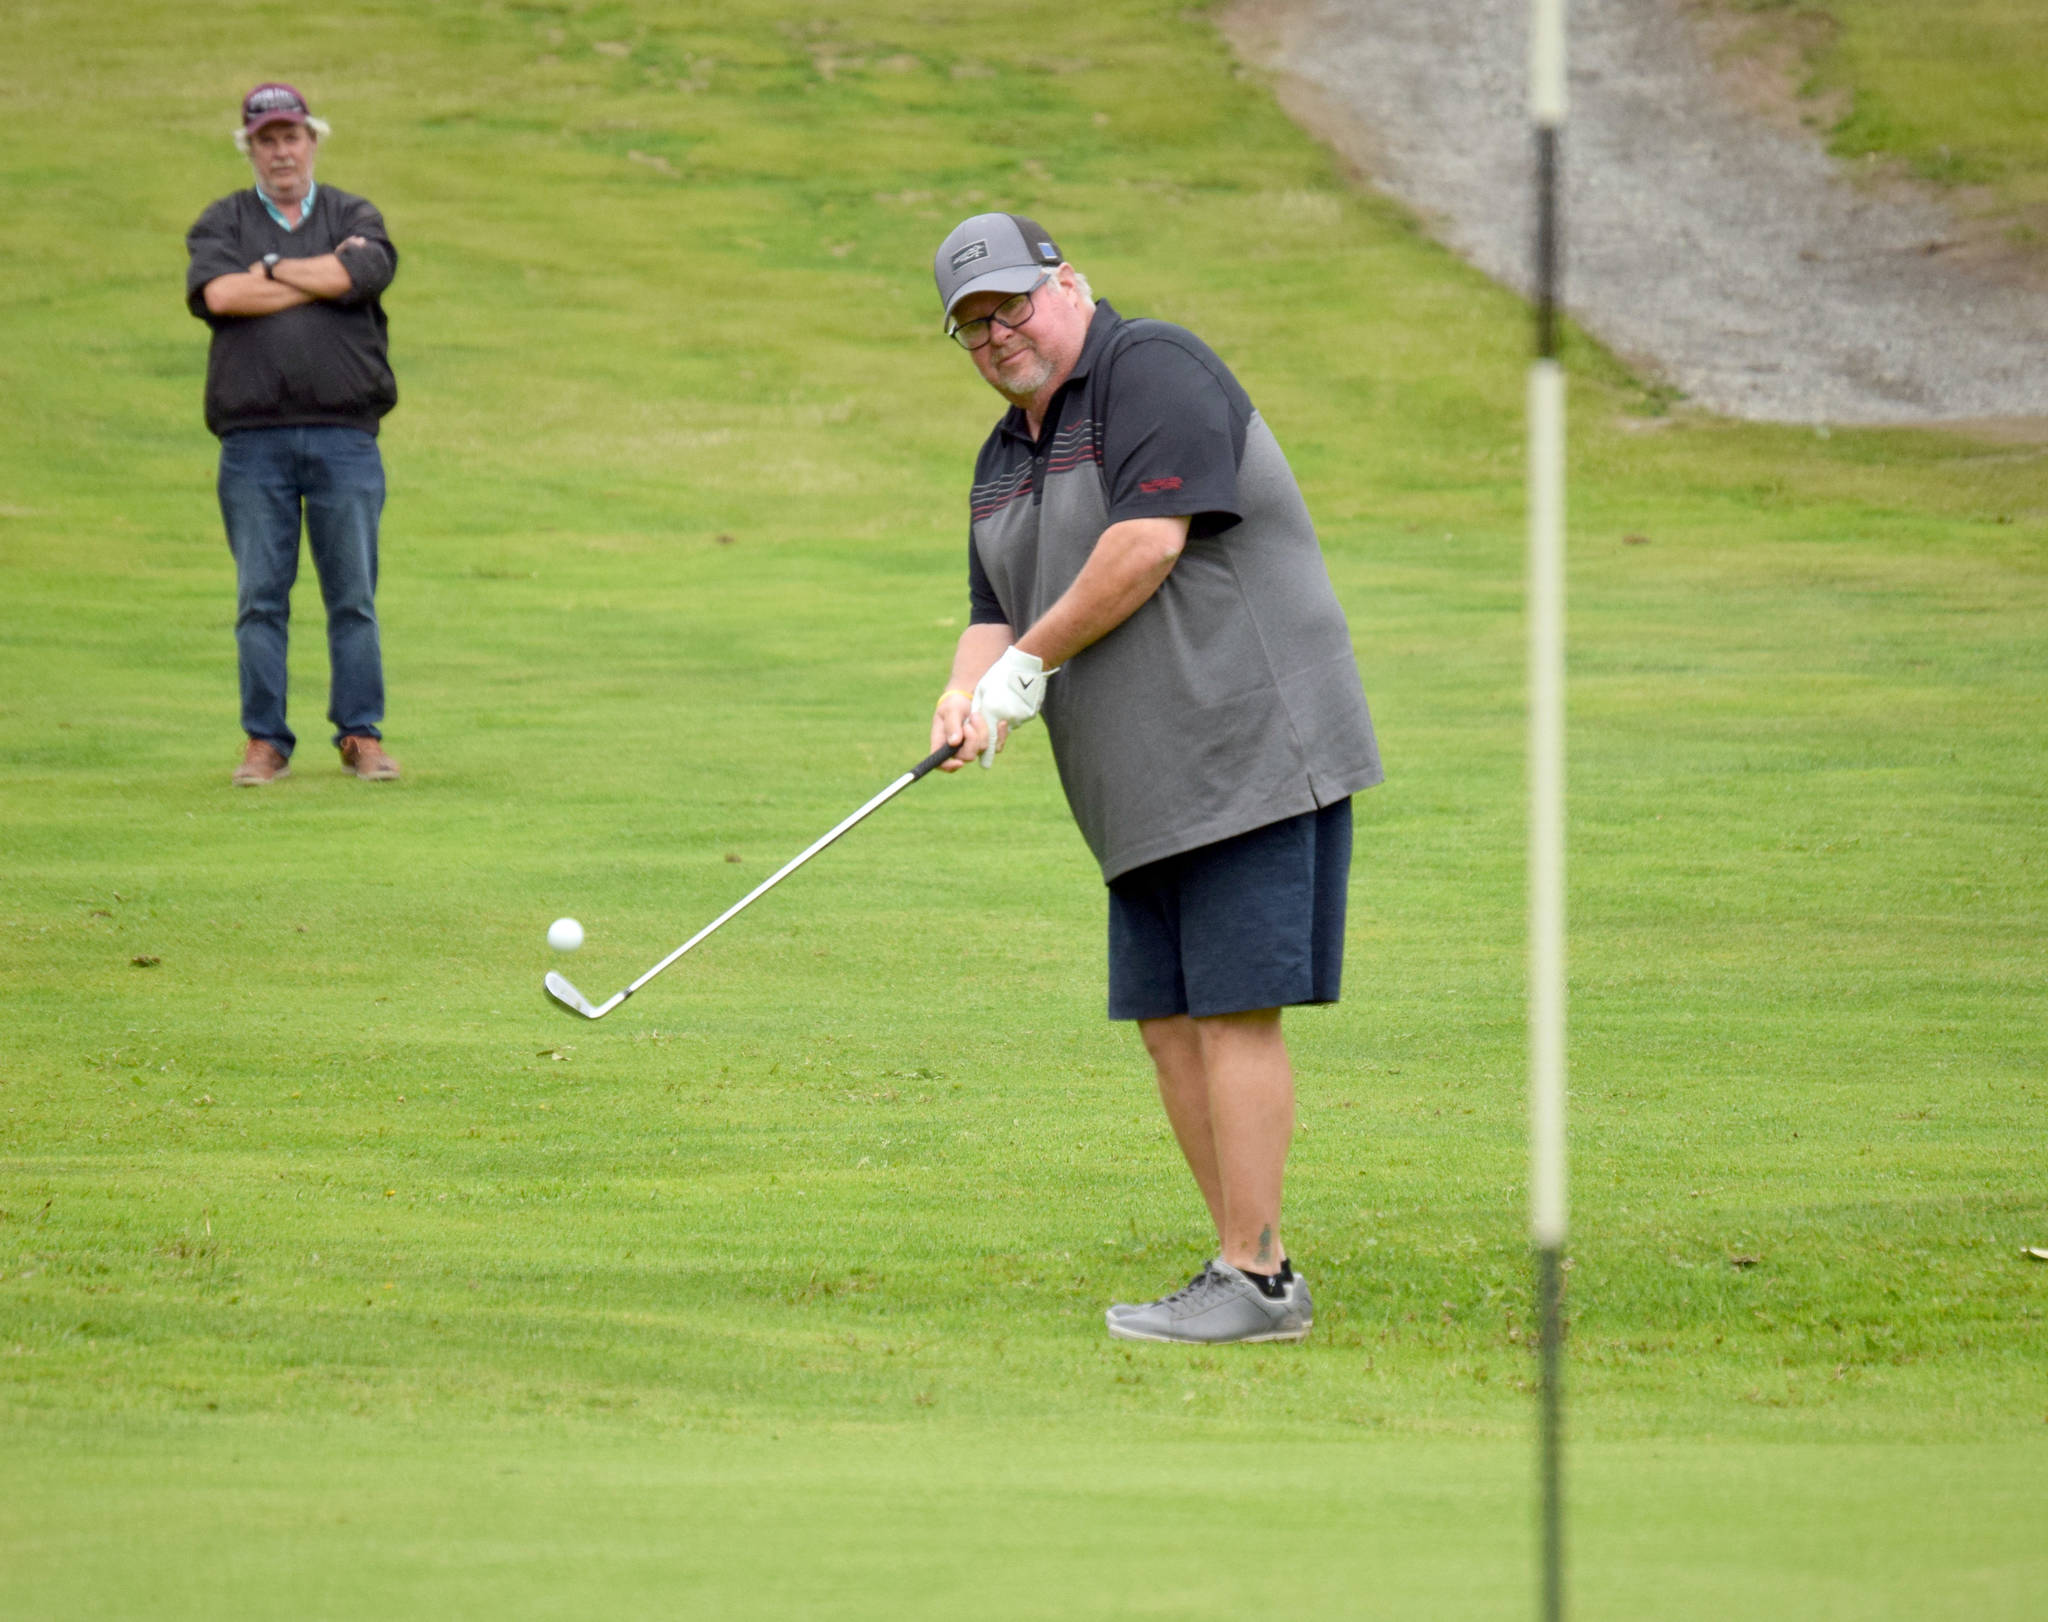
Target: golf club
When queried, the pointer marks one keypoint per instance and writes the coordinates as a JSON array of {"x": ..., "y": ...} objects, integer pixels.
[{"x": 573, "y": 1000}]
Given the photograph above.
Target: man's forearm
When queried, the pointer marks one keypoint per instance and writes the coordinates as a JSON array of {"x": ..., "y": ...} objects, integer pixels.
[
  {"x": 979, "y": 647},
  {"x": 952, "y": 721},
  {"x": 323, "y": 276},
  {"x": 242, "y": 292},
  {"x": 292, "y": 282},
  {"x": 1130, "y": 562}
]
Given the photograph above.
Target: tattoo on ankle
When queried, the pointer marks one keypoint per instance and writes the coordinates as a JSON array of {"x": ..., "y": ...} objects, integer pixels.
[{"x": 1265, "y": 1249}]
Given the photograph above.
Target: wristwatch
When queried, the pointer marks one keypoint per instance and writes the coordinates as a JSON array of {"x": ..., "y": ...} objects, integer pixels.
[{"x": 270, "y": 266}]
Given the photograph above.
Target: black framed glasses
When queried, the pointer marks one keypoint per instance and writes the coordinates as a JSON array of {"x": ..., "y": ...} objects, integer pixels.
[{"x": 1012, "y": 313}]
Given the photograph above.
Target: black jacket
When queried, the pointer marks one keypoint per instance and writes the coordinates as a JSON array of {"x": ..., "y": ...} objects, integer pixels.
[{"x": 321, "y": 363}]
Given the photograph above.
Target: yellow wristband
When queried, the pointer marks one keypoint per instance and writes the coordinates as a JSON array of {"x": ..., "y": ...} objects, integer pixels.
[{"x": 952, "y": 692}]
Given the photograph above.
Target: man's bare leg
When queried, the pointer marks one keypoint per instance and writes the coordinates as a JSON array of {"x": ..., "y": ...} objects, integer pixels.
[
  {"x": 1228, "y": 1089},
  {"x": 1251, "y": 1114},
  {"x": 1176, "y": 1049}
]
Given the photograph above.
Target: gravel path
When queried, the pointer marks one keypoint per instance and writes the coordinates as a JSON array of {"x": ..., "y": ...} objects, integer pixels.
[{"x": 1708, "y": 246}]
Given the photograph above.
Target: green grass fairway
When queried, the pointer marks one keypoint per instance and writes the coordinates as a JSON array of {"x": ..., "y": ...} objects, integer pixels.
[{"x": 340, "y": 1277}]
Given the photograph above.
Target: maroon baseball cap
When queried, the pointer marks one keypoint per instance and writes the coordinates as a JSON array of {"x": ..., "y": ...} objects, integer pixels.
[{"x": 272, "y": 104}]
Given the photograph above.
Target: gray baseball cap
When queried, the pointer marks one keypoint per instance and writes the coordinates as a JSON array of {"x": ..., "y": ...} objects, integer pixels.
[{"x": 993, "y": 253}]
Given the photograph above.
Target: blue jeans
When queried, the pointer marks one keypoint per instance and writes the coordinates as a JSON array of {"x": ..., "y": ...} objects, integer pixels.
[{"x": 266, "y": 476}]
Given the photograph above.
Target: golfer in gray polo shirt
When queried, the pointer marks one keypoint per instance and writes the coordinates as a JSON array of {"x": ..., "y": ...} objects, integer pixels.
[{"x": 1144, "y": 574}]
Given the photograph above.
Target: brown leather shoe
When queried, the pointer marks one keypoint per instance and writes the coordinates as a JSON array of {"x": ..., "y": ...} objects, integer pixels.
[
  {"x": 365, "y": 758},
  {"x": 262, "y": 762}
]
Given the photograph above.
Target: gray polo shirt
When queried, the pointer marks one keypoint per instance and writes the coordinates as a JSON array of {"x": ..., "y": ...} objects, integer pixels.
[{"x": 1231, "y": 698}]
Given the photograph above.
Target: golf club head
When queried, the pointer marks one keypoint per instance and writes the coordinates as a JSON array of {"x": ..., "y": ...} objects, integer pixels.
[{"x": 573, "y": 1000}]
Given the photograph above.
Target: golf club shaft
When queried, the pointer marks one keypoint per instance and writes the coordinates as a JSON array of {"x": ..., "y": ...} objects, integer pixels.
[{"x": 925, "y": 765}]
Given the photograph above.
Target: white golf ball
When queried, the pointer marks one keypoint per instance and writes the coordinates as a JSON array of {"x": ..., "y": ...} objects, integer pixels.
[{"x": 565, "y": 934}]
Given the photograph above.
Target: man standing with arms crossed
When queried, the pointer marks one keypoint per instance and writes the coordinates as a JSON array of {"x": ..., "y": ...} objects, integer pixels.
[
  {"x": 1142, "y": 570},
  {"x": 288, "y": 276}
]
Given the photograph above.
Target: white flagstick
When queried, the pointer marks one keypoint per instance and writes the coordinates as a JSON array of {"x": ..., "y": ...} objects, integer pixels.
[{"x": 1547, "y": 785}]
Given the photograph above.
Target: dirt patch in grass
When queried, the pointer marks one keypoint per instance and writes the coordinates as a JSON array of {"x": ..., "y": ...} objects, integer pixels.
[{"x": 1712, "y": 241}]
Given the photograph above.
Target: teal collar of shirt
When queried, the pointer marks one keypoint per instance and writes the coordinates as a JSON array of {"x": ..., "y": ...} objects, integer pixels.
[{"x": 277, "y": 214}]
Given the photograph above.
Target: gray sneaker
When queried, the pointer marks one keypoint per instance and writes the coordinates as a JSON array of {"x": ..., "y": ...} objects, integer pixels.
[
  {"x": 1217, "y": 1306},
  {"x": 1296, "y": 1287},
  {"x": 1123, "y": 1309}
]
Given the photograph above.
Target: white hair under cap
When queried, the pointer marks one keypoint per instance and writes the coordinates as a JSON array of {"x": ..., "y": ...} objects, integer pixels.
[{"x": 319, "y": 126}]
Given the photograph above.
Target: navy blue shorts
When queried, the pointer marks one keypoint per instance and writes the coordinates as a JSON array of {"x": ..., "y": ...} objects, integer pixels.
[{"x": 1255, "y": 921}]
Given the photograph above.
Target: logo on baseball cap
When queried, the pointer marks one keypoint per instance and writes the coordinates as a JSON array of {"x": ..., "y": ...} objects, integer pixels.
[
  {"x": 993, "y": 253},
  {"x": 273, "y": 104}
]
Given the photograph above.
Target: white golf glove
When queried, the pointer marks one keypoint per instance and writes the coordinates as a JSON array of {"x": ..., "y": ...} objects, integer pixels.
[{"x": 1010, "y": 693}]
